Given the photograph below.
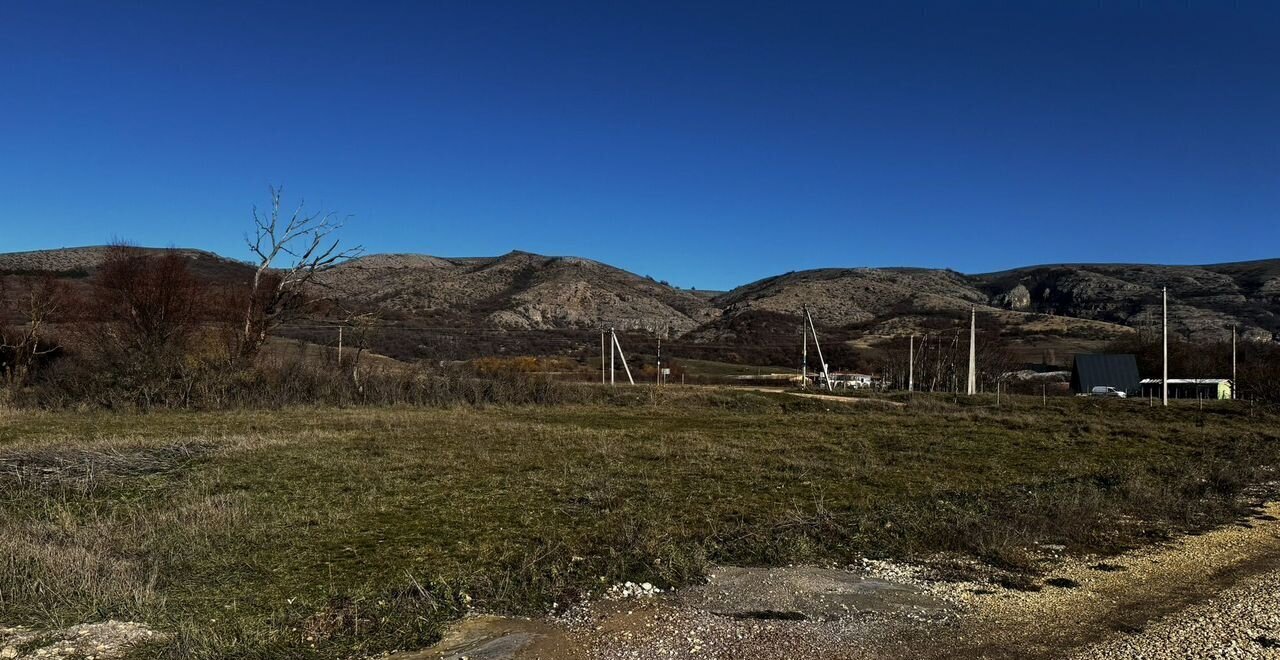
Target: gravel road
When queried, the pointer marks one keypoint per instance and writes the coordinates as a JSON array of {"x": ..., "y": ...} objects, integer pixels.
[
  {"x": 1214, "y": 595},
  {"x": 1240, "y": 622}
]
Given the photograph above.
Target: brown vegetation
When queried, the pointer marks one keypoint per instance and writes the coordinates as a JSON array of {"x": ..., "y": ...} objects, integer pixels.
[{"x": 26, "y": 342}]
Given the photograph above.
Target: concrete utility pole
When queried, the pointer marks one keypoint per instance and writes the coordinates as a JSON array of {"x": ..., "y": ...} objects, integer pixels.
[
  {"x": 658, "y": 377},
  {"x": 973, "y": 351},
  {"x": 1164, "y": 333},
  {"x": 804, "y": 357},
  {"x": 826, "y": 375},
  {"x": 339, "y": 346},
  {"x": 613, "y": 341},
  {"x": 1233, "y": 362},
  {"x": 602, "y": 379},
  {"x": 622, "y": 355},
  {"x": 911, "y": 363}
]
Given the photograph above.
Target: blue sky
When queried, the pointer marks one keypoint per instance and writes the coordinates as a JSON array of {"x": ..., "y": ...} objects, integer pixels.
[{"x": 706, "y": 143}]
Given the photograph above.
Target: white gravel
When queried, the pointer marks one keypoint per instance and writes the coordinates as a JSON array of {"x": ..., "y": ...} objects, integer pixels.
[
  {"x": 90, "y": 641},
  {"x": 1240, "y": 622}
]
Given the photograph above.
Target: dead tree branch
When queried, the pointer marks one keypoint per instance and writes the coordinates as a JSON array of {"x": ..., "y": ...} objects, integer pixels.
[{"x": 290, "y": 249}]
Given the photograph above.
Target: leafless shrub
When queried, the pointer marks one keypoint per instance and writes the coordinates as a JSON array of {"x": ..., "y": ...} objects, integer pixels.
[
  {"x": 149, "y": 305},
  {"x": 24, "y": 344}
]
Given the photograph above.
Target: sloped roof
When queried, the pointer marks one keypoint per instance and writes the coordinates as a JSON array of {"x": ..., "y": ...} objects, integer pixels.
[
  {"x": 1105, "y": 370},
  {"x": 1184, "y": 381}
]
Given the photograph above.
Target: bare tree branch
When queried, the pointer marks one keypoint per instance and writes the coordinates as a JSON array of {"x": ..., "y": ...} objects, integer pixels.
[
  {"x": 289, "y": 258},
  {"x": 21, "y": 345}
]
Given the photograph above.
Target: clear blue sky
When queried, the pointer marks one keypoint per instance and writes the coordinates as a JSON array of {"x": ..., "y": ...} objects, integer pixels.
[{"x": 709, "y": 144}]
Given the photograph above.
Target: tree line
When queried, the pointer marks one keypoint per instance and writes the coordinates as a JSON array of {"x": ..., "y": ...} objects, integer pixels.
[{"x": 144, "y": 323}]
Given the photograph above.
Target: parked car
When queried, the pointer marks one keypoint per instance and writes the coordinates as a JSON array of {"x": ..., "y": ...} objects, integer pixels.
[{"x": 1103, "y": 390}]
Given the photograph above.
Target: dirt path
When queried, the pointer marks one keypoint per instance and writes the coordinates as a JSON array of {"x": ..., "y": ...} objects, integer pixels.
[
  {"x": 821, "y": 397},
  {"x": 1240, "y": 622},
  {"x": 1212, "y": 595},
  {"x": 1117, "y": 600}
]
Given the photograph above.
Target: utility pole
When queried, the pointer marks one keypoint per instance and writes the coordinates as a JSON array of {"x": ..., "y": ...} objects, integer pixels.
[
  {"x": 826, "y": 375},
  {"x": 339, "y": 346},
  {"x": 1164, "y": 334},
  {"x": 622, "y": 355},
  {"x": 973, "y": 351},
  {"x": 804, "y": 357},
  {"x": 658, "y": 378},
  {"x": 613, "y": 341},
  {"x": 1233, "y": 361},
  {"x": 911, "y": 363},
  {"x": 602, "y": 380}
]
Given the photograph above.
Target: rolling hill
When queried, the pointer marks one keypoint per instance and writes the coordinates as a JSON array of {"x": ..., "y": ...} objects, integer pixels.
[
  {"x": 520, "y": 291},
  {"x": 517, "y": 297}
]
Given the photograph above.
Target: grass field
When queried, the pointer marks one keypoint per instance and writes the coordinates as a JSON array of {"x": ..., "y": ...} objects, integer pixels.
[
  {"x": 712, "y": 369},
  {"x": 338, "y": 532}
]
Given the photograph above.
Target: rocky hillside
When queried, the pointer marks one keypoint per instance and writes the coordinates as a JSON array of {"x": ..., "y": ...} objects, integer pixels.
[
  {"x": 845, "y": 296},
  {"x": 520, "y": 291},
  {"x": 1204, "y": 301}
]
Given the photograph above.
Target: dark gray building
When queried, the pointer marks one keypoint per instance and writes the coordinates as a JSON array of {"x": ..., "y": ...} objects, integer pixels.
[{"x": 1105, "y": 370}]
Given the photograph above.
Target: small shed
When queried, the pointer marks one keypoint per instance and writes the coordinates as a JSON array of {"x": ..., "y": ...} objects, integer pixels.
[
  {"x": 1105, "y": 370},
  {"x": 1189, "y": 388}
]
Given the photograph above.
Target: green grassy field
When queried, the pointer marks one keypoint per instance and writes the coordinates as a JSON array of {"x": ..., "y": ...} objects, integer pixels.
[{"x": 339, "y": 532}]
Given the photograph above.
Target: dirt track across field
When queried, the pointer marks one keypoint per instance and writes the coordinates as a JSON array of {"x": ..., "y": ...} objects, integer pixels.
[
  {"x": 821, "y": 397},
  {"x": 1212, "y": 595}
]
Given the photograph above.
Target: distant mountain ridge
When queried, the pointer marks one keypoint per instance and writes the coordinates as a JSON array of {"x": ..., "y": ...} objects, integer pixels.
[{"x": 522, "y": 291}]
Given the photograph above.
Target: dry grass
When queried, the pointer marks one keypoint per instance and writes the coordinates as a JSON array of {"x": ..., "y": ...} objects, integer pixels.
[{"x": 337, "y": 532}]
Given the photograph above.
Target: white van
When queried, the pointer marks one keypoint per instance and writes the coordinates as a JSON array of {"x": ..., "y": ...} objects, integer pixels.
[{"x": 1103, "y": 390}]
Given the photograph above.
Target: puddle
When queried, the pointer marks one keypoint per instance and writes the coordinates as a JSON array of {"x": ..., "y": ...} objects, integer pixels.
[
  {"x": 488, "y": 637},
  {"x": 804, "y": 593}
]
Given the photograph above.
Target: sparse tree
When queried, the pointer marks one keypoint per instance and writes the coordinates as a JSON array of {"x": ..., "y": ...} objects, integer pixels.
[
  {"x": 279, "y": 291},
  {"x": 151, "y": 304},
  {"x": 23, "y": 344},
  {"x": 361, "y": 326}
]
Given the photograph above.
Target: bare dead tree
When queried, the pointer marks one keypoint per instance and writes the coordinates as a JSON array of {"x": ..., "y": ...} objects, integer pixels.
[
  {"x": 306, "y": 245},
  {"x": 22, "y": 345},
  {"x": 363, "y": 326}
]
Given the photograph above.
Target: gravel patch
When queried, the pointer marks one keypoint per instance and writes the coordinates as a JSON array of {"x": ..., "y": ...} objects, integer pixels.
[
  {"x": 1240, "y": 622},
  {"x": 89, "y": 641},
  {"x": 1215, "y": 595}
]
